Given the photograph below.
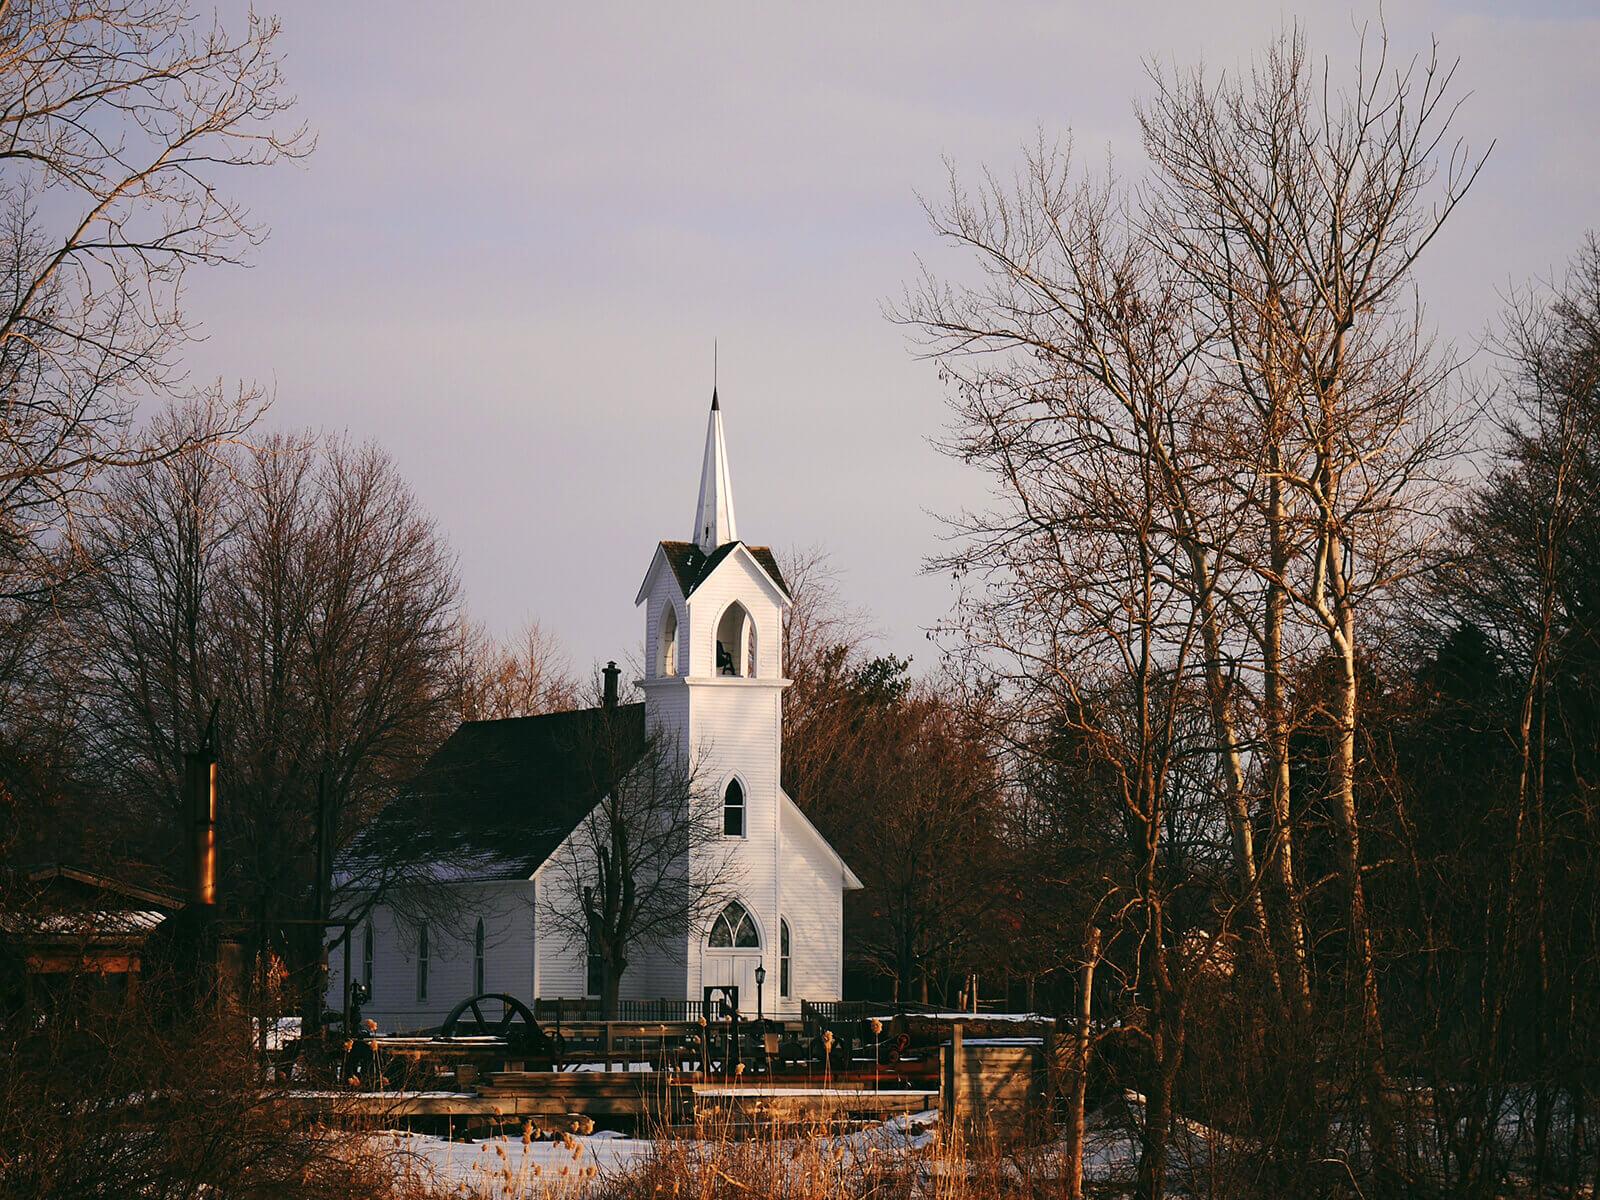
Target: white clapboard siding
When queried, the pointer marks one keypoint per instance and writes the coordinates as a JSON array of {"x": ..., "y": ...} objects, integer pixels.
[
  {"x": 813, "y": 891},
  {"x": 506, "y": 908}
]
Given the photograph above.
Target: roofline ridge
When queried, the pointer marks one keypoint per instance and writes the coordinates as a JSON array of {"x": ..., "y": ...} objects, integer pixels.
[{"x": 560, "y": 712}]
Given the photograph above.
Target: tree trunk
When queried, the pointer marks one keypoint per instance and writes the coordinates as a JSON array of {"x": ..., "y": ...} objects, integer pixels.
[
  {"x": 611, "y": 986},
  {"x": 1155, "y": 1145},
  {"x": 1371, "y": 1051},
  {"x": 1082, "y": 1042},
  {"x": 1281, "y": 851},
  {"x": 1224, "y": 726}
]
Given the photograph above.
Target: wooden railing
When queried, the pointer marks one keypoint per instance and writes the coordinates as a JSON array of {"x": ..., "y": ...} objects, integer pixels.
[
  {"x": 557, "y": 1010},
  {"x": 839, "y": 1012}
]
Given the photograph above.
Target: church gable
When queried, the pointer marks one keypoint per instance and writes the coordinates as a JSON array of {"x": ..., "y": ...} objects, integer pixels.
[
  {"x": 690, "y": 567},
  {"x": 735, "y": 612}
]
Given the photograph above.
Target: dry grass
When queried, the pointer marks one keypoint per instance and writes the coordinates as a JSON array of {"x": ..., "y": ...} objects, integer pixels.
[{"x": 717, "y": 1161}]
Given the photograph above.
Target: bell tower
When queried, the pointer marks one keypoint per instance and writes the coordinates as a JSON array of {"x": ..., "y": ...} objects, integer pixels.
[{"x": 714, "y": 609}]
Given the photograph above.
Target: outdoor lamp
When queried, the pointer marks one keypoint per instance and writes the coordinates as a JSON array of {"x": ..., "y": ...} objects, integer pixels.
[{"x": 761, "y": 979}]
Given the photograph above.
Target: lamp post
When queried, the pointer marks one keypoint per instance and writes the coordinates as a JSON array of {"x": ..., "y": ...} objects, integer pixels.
[{"x": 761, "y": 1022}]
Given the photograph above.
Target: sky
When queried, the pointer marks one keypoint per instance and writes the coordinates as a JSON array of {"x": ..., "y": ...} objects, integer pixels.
[{"x": 525, "y": 225}]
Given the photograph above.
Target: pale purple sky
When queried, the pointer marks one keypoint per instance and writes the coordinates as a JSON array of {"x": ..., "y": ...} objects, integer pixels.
[{"x": 524, "y": 225}]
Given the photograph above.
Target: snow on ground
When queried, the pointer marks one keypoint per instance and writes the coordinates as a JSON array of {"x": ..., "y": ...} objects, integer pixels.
[
  {"x": 502, "y": 1169},
  {"x": 509, "y": 1168}
]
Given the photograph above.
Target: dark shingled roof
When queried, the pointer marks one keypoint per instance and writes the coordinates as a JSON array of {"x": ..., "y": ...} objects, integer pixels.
[
  {"x": 499, "y": 796},
  {"x": 692, "y": 567}
]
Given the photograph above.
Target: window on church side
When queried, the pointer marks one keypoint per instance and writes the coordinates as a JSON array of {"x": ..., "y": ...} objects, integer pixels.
[
  {"x": 478, "y": 961},
  {"x": 734, "y": 929},
  {"x": 733, "y": 810},
  {"x": 668, "y": 639},
  {"x": 422, "y": 962},
  {"x": 366, "y": 959},
  {"x": 783, "y": 957}
]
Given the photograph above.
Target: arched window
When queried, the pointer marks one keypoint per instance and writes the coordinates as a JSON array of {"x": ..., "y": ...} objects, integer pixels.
[
  {"x": 734, "y": 929},
  {"x": 422, "y": 962},
  {"x": 783, "y": 957},
  {"x": 733, "y": 810},
  {"x": 750, "y": 659},
  {"x": 366, "y": 958},
  {"x": 735, "y": 636},
  {"x": 477, "y": 959},
  {"x": 667, "y": 641}
]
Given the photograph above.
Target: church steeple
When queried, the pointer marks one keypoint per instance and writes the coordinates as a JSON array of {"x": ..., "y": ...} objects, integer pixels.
[{"x": 713, "y": 518}]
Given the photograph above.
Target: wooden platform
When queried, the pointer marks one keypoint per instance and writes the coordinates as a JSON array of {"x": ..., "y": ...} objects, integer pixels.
[{"x": 641, "y": 1095}]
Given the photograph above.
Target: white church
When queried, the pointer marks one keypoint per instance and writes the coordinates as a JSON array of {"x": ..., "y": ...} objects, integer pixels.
[{"x": 518, "y": 791}]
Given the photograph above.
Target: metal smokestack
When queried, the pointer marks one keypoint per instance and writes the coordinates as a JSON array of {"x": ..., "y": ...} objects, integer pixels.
[{"x": 200, "y": 782}]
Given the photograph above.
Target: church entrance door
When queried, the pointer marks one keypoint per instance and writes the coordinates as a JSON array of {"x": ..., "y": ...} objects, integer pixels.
[{"x": 732, "y": 954}]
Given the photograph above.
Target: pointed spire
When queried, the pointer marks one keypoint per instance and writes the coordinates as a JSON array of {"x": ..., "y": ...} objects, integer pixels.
[{"x": 713, "y": 518}]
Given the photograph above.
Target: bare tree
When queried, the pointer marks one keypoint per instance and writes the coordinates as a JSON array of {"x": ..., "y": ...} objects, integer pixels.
[
  {"x": 522, "y": 677},
  {"x": 1219, "y": 436},
  {"x": 296, "y": 588},
  {"x": 117, "y": 122},
  {"x": 1302, "y": 213}
]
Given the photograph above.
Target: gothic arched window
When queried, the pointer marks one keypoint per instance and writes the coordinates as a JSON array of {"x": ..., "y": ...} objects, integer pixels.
[
  {"x": 667, "y": 639},
  {"x": 422, "y": 962},
  {"x": 734, "y": 929},
  {"x": 366, "y": 958},
  {"x": 733, "y": 810}
]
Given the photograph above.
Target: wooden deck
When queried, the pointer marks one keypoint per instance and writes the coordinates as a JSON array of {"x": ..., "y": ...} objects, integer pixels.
[{"x": 639, "y": 1095}]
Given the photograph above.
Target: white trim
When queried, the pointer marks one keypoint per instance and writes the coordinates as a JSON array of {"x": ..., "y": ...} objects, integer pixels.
[
  {"x": 658, "y": 559},
  {"x": 714, "y": 681},
  {"x": 537, "y": 932}
]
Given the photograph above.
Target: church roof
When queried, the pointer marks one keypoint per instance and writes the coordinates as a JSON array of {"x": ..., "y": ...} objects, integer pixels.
[
  {"x": 499, "y": 796},
  {"x": 693, "y": 568}
]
